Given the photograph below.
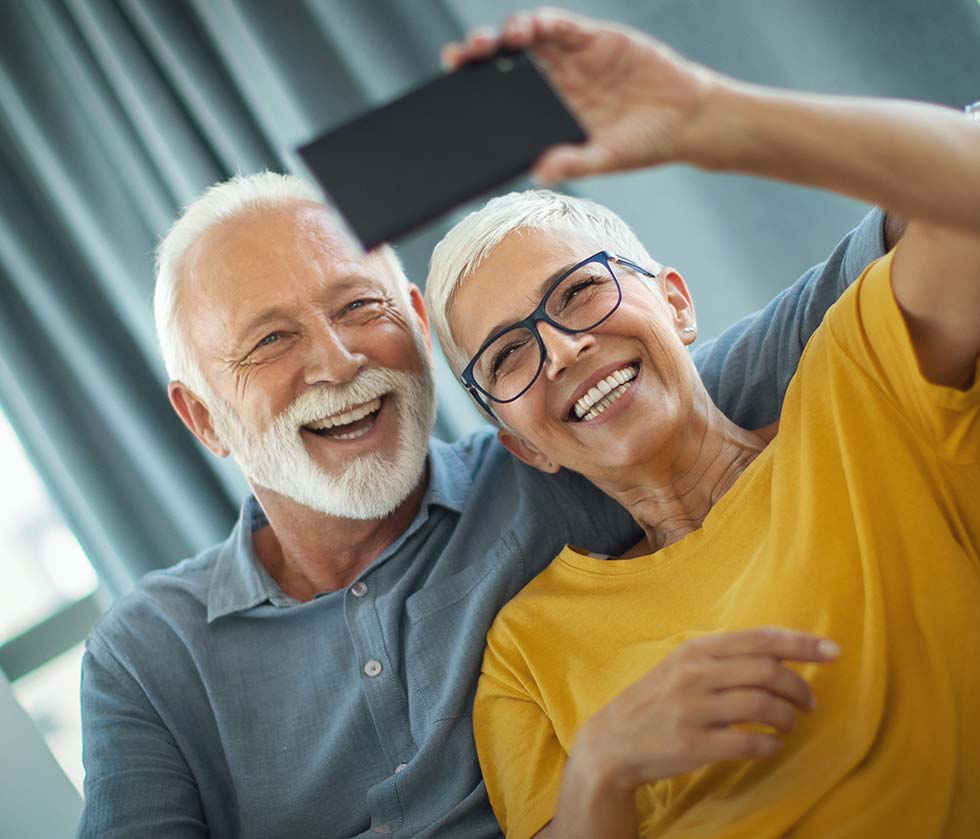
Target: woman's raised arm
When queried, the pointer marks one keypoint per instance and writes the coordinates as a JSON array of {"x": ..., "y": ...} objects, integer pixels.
[{"x": 641, "y": 104}]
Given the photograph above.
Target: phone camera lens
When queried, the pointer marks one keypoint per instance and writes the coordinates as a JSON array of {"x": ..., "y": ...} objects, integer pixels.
[{"x": 505, "y": 65}]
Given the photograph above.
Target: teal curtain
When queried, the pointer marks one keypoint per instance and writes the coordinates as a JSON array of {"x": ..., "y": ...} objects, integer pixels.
[{"x": 115, "y": 113}]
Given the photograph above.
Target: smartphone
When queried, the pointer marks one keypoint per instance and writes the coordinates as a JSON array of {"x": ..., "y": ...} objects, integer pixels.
[{"x": 404, "y": 164}]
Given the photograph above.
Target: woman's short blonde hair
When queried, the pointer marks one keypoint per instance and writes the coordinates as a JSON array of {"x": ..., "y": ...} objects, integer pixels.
[{"x": 472, "y": 240}]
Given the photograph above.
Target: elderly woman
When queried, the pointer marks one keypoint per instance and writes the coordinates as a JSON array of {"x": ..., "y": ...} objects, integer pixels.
[{"x": 609, "y": 703}]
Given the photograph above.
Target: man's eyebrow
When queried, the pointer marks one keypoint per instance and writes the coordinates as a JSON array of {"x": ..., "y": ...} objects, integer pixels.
[
  {"x": 544, "y": 285},
  {"x": 271, "y": 313}
]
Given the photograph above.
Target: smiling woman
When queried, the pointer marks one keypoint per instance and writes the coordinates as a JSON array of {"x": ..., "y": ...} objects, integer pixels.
[{"x": 682, "y": 703}]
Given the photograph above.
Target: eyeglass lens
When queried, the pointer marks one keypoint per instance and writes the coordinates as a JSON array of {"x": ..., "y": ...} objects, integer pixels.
[{"x": 580, "y": 301}]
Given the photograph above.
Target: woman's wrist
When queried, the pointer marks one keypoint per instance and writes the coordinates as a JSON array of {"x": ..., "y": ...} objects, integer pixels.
[
  {"x": 599, "y": 767},
  {"x": 595, "y": 795},
  {"x": 721, "y": 134}
]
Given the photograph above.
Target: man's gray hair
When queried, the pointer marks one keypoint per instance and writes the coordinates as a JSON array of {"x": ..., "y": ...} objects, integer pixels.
[
  {"x": 223, "y": 201},
  {"x": 464, "y": 248}
]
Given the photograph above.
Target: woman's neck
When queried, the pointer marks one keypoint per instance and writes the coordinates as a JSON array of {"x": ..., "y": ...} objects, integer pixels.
[{"x": 672, "y": 497}]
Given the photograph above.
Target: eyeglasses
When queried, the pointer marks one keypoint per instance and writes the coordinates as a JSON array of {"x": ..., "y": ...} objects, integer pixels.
[{"x": 510, "y": 360}]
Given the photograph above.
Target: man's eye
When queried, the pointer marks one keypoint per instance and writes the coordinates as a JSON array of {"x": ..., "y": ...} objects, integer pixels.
[
  {"x": 361, "y": 306},
  {"x": 268, "y": 340}
]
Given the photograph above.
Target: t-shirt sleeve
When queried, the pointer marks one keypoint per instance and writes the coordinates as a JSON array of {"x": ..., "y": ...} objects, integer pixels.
[
  {"x": 869, "y": 327},
  {"x": 520, "y": 756}
]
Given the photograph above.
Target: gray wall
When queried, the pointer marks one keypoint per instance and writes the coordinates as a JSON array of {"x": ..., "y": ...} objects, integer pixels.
[
  {"x": 37, "y": 801},
  {"x": 738, "y": 240}
]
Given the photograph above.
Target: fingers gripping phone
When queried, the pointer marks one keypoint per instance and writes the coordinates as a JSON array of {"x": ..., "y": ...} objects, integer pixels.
[{"x": 400, "y": 166}]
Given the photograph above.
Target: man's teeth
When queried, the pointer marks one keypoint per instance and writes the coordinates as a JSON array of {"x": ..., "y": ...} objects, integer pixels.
[
  {"x": 354, "y": 414},
  {"x": 605, "y": 393}
]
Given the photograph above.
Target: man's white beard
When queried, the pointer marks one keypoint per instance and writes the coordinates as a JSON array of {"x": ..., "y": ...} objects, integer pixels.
[{"x": 367, "y": 487}]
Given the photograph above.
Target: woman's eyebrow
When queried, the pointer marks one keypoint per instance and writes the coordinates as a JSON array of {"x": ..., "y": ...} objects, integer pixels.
[{"x": 543, "y": 286}]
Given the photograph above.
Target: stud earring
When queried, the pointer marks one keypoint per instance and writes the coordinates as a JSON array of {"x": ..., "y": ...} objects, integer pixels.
[{"x": 690, "y": 329}]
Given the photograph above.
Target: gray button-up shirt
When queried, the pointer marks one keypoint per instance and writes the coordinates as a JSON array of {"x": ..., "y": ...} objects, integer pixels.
[
  {"x": 255, "y": 715},
  {"x": 213, "y": 704}
]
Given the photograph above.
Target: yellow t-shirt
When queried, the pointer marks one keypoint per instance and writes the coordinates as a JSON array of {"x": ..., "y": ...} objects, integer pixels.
[{"x": 860, "y": 522}]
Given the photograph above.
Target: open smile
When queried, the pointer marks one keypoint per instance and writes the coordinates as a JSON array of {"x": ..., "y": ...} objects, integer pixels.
[
  {"x": 351, "y": 423},
  {"x": 602, "y": 392}
]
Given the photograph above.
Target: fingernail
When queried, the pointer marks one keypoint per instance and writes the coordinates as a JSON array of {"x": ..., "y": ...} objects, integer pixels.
[{"x": 828, "y": 649}]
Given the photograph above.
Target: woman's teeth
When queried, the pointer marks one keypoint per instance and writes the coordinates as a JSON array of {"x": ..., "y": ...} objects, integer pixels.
[
  {"x": 605, "y": 393},
  {"x": 348, "y": 417}
]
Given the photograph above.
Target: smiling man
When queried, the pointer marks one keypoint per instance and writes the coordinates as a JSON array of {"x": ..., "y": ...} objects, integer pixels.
[{"x": 314, "y": 674}]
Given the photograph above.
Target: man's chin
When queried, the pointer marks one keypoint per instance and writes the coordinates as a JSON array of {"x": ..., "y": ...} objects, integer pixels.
[{"x": 371, "y": 487}]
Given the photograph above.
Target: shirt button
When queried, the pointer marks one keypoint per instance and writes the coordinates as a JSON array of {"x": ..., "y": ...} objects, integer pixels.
[
  {"x": 359, "y": 589},
  {"x": 382, "y": 828},
  {"x": 372, "y": 668},
  {"x": 400, "y": 767}
]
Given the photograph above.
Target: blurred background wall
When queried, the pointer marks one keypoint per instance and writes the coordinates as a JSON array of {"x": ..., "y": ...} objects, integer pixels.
[{"x": 115, "y": 113}]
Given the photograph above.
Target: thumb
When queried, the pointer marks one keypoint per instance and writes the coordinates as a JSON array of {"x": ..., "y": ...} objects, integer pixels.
[{"x": 566, "y": 162}]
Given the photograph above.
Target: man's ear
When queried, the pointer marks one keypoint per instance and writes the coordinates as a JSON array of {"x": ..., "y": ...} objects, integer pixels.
[
  {"x": 679, "y": 299},
  {"x": 525, "y": 452},
  {"x": 418, "y": 306},
  {"x": 196, "y": 416}
]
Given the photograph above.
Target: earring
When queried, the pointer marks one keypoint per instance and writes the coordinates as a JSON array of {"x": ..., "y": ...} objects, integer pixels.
[{"x": 690, "y": 329}]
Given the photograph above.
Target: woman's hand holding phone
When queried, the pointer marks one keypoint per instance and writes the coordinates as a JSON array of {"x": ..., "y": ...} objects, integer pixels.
[{"x": 637, "y": 99}]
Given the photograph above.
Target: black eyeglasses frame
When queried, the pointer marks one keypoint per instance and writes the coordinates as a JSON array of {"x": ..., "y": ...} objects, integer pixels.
[{"x": 466, "y": 378}]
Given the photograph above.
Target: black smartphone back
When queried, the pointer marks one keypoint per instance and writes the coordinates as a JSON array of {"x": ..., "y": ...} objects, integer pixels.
[{"x": 407, "y": 162}]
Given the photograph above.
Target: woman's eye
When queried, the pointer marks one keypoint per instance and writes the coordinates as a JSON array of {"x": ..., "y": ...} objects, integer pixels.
[
  {"x": 503, "y": 356},
  {"x": 268, "y": 340},
  {"x": 571, "y": 293}
]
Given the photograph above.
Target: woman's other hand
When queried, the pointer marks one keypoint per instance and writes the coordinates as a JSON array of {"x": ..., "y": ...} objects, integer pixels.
[
  {"x": 635, "y": 98},
  {"x": 680, "y": 716}
]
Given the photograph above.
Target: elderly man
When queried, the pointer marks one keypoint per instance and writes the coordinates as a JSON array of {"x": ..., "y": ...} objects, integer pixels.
[{"x": 313, "y": 675}]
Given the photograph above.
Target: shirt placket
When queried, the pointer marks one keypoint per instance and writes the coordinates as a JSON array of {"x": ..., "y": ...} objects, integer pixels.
[{"x": 385, "y": 698}]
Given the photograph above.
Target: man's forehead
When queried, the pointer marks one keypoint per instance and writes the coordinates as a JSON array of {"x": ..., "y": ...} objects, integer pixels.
[
  {"x": 268, "y": 257},
  {"x": 279, "y": 243}
]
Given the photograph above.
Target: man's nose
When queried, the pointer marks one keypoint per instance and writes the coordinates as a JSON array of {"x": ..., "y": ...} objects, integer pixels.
[
  {"x": 329, "y": 359},
  {"x": 562, "y": 349}
]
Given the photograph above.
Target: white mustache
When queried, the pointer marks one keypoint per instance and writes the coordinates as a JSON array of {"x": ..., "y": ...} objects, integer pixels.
[{"x": 328, "y": 400}]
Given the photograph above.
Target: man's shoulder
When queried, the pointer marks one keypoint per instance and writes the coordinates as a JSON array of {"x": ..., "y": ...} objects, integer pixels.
[
  {"x": 488, "y": 462},
  {"x": 164, "y": 606},
  {"x": 505, "y": 490}
]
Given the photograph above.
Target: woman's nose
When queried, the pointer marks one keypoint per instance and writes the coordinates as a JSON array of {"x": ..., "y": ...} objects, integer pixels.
[{"x": 562, "y": 349}]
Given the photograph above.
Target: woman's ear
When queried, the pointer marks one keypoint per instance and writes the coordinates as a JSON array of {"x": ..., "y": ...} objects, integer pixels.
[
  {"x": 679, "y": 299},
  {"x": 525, "y": 452}
]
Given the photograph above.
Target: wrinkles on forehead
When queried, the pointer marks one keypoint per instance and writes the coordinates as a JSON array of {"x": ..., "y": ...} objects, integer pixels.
[
  {"x": 265, "y": 260},
  {"x": 509, "y": 282}
]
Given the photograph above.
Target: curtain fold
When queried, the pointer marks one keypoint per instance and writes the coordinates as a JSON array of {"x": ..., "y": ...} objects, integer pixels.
[{"x": 113, "y": 115}]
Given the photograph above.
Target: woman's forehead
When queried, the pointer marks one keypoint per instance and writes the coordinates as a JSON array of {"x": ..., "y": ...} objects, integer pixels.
[
  {"x": 525, "y": 256},
  {"x": 507, "y": 283}
]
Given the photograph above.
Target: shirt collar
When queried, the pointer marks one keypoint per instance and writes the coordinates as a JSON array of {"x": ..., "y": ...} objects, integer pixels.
[{"x": 240, "y": 581}]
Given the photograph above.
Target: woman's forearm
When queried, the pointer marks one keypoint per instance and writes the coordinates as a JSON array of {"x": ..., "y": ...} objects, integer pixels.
[{"x": 917, "y": 160}]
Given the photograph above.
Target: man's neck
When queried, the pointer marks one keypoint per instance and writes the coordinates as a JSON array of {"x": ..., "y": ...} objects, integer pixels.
[
  {"x": 307, "y": 552},
  {"x": 671, "y": 497}
]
